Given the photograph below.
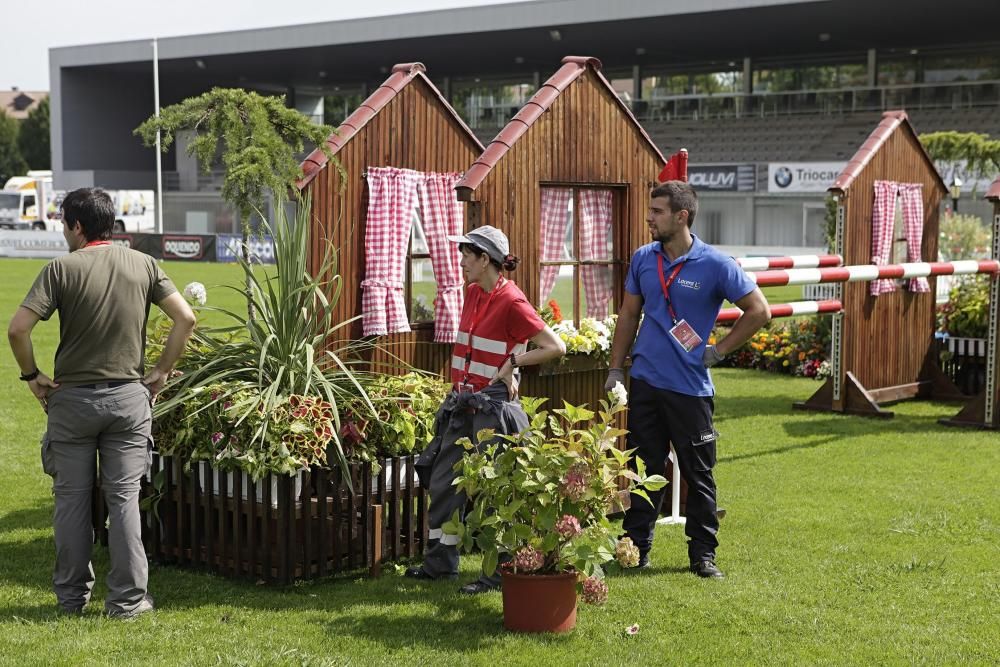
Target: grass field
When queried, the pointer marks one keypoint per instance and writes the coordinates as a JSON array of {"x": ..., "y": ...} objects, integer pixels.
[{"x": 847, "y": 541}]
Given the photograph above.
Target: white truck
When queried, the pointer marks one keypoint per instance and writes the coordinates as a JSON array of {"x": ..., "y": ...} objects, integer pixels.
[{"x": 19, "y": 209}]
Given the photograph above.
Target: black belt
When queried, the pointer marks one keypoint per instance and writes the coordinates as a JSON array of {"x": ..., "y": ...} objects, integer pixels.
[{"x": 105, "y": 385}]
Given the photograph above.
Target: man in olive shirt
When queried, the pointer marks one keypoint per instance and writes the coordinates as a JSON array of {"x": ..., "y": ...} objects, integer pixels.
[{"x": 99, "y": 398}]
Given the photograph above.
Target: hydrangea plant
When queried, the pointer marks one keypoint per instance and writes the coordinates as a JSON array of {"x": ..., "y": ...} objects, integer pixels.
[{"x": 542, "y": 497}]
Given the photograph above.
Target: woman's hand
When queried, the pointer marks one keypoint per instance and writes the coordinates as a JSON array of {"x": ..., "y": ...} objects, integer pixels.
[{"x": 506, "y": 375}]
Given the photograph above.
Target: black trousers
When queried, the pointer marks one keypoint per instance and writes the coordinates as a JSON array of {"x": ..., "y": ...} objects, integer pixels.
[{"x": 656, "y": 418}]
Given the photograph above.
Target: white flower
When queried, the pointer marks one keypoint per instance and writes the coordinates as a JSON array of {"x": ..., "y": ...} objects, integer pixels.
[
  {"x": 620, "y": 393},
  {"x": 196, "y": 293}
]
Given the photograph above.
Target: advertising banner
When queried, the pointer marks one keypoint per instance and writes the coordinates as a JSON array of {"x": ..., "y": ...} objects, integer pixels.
[
  {"x": 227, "y": 248},
  {"x": 723, "y": 177},
  {"x": 41, "y": 245},
  {"x": 785, "y": 177},
  {"x": 188, "y": 247}
]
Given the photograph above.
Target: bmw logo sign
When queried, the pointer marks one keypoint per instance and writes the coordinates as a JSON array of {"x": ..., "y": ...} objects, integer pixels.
[{"x": 783, "y": 177}]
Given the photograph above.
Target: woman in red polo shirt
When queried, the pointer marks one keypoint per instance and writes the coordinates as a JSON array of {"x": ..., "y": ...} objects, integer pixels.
[{"x": 497, "y": 322}]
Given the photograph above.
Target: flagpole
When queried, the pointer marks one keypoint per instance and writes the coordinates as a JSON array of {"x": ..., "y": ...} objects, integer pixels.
[{"x": 159, "y": 153}]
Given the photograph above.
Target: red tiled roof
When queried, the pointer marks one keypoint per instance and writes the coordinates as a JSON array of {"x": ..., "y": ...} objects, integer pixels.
[
  {"x": 573, "y": 67},
  {"x": 402, "y": 74},
  {"x": 891, "y": 120},
  {"x": 993, "y": 193}
]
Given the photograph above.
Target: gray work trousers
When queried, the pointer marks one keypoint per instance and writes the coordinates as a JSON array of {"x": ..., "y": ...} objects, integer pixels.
[
  {"x": 114, "y": 424},
  {"x": 461, "y": 416}
]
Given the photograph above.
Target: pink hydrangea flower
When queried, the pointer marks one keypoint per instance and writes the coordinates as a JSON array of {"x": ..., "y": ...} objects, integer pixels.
[
  {"x": 529, "y": 559},
  {"x": 595, "y": 591},
  {"x": 574, "y": 485},
  {"x": 568, "y": 527}
]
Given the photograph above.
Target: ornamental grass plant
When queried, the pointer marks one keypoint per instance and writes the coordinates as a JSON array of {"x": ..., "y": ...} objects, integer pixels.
[{"x": 254, "y": 367}]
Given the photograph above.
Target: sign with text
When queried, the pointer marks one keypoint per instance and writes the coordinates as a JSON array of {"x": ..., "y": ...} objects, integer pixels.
[
  {"x": 41, "y": 245},
  {"x": 227, "y": 248},
  {"x": 723, "y": 177},
  {"x": 802, "y": 176}
]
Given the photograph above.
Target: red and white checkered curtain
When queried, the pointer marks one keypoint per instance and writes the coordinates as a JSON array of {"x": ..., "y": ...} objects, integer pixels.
[
  {"x": 555, "y": 220},
  {"x": 883, "y": 220},
  {"x": 392, "y": 196},
  {"x": 912, "y": 199},
  {"x": 443, "y": 216},
  {"x": 596, "y": 244}
]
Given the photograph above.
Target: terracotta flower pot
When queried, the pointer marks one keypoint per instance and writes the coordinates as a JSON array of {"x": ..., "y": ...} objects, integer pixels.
[{"x": 539, "y": 602}]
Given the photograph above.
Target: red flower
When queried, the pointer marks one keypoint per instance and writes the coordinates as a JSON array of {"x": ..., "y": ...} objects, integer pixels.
[{"x": 556, "y": 311}]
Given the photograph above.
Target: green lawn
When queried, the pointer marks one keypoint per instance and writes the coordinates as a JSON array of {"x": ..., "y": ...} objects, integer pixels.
[{"x": 847, "y": 541}]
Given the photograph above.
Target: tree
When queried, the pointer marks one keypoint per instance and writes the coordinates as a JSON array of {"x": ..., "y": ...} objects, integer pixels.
[
  {"x": 11, "y": 162},
  {"x": 33, "y": 137},
  {"x": 980, "y": 153},
  {"x": 261, "y": 138}
]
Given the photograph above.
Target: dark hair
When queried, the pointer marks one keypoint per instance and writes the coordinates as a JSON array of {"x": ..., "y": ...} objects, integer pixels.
[
  {"x": 681, "y": 195},
  {"x": 510, "y": 262},
  {"x": 93, "y": 209}
]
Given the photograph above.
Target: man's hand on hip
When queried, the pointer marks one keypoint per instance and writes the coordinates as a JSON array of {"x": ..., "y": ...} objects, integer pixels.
[
  {"x": 41, "y": 386},
  {"x": 711, "y": 356},
  {"x": 155, "y": 379}
]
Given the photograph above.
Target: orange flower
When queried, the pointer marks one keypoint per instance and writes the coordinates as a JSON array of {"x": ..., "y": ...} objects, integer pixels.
[{"x": 556, "y": 311}]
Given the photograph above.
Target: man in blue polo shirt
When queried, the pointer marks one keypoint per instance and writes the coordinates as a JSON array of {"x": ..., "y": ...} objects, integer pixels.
[{"x": 679, "y": 283}]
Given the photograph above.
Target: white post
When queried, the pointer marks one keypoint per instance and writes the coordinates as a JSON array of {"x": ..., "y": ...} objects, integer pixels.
[
  {"x": 675, "y": 517},
  {"x": 159, "y": 154}
]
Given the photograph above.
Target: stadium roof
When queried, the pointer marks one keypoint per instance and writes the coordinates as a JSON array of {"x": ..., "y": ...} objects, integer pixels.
[{"x": 509, "y": 39}]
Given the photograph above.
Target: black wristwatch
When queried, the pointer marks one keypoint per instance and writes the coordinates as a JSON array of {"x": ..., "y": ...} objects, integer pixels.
[
  {"x": 513, "y": 360},
  {"x": 28, "y": 377}
]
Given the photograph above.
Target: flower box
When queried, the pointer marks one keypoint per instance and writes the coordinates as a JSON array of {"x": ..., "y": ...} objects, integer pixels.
[
  {"x": 573, "y": 363},
  {"x": 302, "y": 527}
]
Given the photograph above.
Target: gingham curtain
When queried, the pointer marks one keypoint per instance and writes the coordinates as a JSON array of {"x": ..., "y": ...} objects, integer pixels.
[
  {"x": 443, "y": 215},
  {"x": 912, "y": 200},
  {"x": 554, "y": 220},
  {"x": 595, "y": 244},
  {"x": 392, "y": 195},
  {"x": 883, "y": 219}
]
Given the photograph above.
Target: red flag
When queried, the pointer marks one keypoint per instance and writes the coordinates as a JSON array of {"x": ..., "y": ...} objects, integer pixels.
[{"x": 676, "y": 168}]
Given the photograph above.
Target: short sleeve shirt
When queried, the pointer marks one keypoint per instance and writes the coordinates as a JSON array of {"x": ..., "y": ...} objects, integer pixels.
[
  {"x": 490, "y": 329},
  {"x": 706, "y": 279},
  {"x": 102, "y": 295}
]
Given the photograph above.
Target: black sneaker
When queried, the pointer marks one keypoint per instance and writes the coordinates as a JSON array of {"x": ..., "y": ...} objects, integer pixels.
[
  {"x": 421, "y": 574},
  {"x": 477, "y": 587},
  {"x": 644, "y": 562},
  {"x": 707, "y": 569}
]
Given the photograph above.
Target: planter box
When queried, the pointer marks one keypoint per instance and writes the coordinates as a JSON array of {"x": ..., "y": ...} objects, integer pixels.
[
  {"x": 573, "y": 363},
  {"x": 964, "y": 361},
  {"x": 280, "y": 528}
]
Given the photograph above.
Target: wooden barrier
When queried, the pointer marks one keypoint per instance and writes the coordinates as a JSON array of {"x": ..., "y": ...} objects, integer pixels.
[{"x": 281, "y": 528}]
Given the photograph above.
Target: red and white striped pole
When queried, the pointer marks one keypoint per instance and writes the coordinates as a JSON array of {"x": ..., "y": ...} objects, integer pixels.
[
  {"x": 790, "y": 262},
  {"x": 850, "y": 274},
  {"x": 787, "y": 309}
]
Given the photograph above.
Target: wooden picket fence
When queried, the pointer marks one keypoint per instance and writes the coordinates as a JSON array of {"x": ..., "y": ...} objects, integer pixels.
[{"x": 281, "y": 528}]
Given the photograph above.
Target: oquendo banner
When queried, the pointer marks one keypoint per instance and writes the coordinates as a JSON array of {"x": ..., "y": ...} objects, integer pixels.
[{"x": 174, "y": 247}]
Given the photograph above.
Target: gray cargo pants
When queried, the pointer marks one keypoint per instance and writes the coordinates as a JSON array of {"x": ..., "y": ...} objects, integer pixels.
[{"x": 113, "y": 422}]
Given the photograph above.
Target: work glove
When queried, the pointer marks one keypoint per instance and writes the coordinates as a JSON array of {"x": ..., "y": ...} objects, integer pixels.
[
  {"x": 615, "y": 375},
  {"x": 711, "y": 356}
]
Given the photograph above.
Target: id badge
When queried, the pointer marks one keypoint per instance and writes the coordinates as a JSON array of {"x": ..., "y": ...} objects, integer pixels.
[
  {"x": 685, "y": 335},
  {"x": 464, "y": 388}
]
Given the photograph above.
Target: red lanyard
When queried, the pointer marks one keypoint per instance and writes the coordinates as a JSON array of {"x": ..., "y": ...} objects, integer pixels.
[
  {"x": 665, "y": 284},
  {"x": 97, "y": 243},
  {"x": 476, "y": 316}
]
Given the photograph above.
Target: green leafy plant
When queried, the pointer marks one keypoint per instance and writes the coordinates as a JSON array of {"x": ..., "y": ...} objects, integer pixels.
[
  {"x": 967, "y": 312},
  {"x": 259, "y": 363},
  {"x": 543, "y": 496},
  {"x": 963, "y": 237},
  {"x": 403, "y": 421}
]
